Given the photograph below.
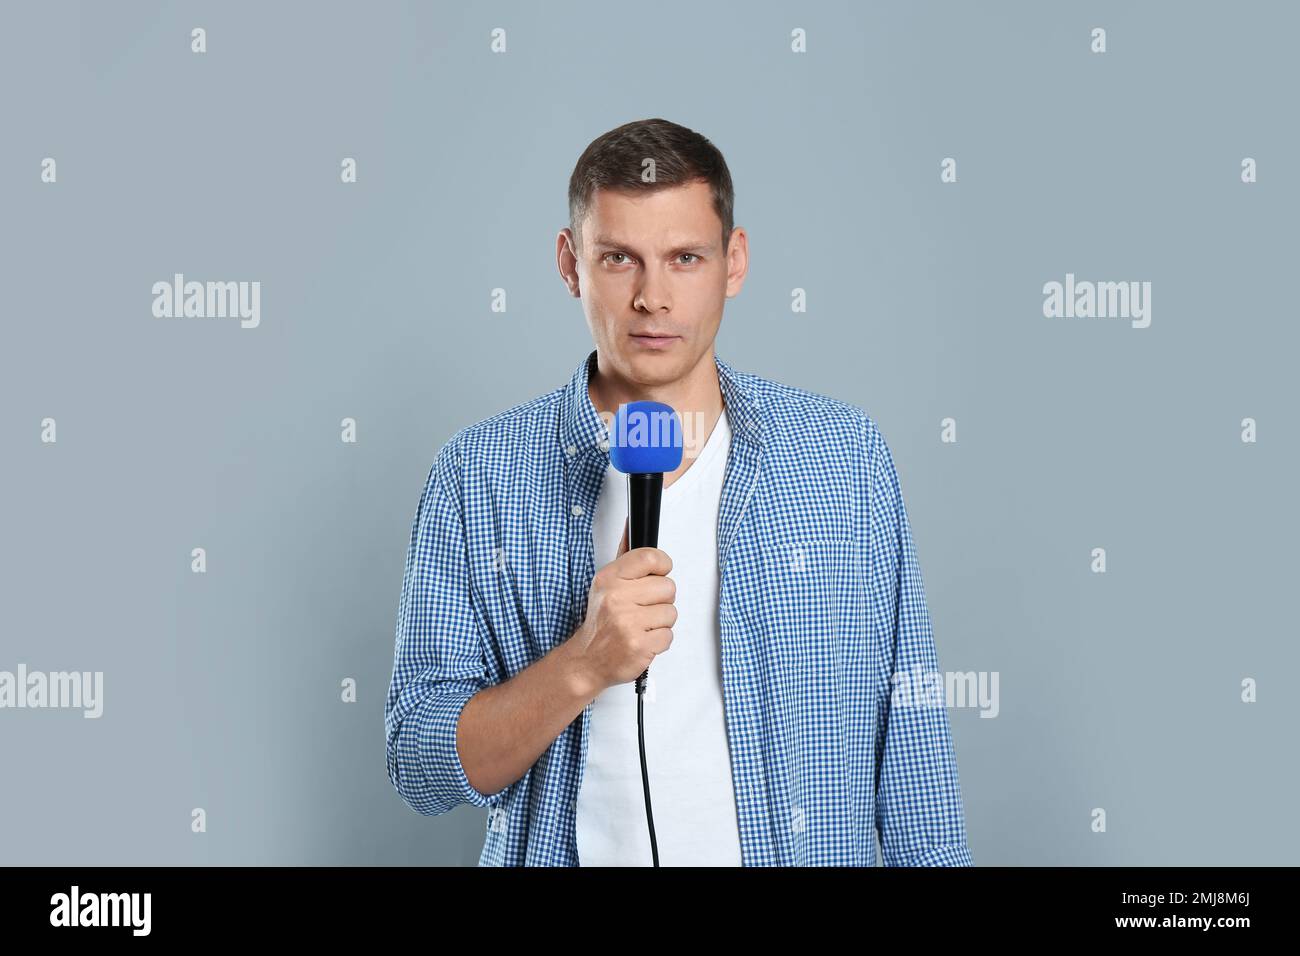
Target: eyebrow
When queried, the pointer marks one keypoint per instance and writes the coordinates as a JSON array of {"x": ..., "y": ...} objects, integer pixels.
[{"x": 607, "y": 242}]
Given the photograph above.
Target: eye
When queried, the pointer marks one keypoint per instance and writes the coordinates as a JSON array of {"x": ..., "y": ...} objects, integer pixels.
[
  {"x": 608, "y": 254},
  {"x": 692, "y": 255}
]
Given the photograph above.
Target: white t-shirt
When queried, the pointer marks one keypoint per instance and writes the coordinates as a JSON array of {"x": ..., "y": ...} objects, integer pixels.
[{"x": 687, "y": 754}]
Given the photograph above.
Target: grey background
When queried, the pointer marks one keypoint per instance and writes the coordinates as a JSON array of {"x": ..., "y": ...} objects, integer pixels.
[{"x": 925, "y": 301}]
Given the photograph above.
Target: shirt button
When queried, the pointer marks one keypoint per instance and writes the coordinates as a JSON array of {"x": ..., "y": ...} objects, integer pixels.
[
  {"x": 603, "y": 444},
  {"x": 571, "y": 450},
  {"x": 577, "y": 510}
]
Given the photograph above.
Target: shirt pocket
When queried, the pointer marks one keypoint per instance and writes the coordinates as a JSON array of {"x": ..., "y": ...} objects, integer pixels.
[{"x": 812, "y": 602}]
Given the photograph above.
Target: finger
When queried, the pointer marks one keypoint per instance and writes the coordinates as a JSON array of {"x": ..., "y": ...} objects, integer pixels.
[
  {"x": 640, "y": 562},
  {"x": 658, "y": 615},
  {"x": 659, "y": 639},
  {"x": 654, "y": 589}
]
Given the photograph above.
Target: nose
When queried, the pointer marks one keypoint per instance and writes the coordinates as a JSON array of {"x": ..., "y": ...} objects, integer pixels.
[{"x": 652, "y": 296}]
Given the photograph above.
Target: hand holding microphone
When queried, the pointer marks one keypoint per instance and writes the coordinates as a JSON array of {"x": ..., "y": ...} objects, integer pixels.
[{"x": 630, "y": 615}]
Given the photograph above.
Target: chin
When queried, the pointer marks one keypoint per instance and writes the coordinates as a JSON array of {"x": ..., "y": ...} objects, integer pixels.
[{"x": 654, "y": 368}]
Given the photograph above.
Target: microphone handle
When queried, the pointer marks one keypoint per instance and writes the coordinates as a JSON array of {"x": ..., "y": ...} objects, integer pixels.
[{"x": 644, "y": 493}]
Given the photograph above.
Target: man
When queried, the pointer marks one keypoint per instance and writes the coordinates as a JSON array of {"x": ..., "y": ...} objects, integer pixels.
[{"x": 783, "y": 598}]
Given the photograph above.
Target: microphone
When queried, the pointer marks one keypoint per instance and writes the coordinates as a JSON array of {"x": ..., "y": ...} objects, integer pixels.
[{"x": 647, "y": 442}]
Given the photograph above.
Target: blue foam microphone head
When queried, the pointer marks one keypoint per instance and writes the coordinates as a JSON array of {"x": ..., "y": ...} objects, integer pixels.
[{"x": 646, "y": 438}]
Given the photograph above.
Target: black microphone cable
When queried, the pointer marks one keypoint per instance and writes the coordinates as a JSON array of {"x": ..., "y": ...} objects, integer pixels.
[{"x": 645, "y": 775}]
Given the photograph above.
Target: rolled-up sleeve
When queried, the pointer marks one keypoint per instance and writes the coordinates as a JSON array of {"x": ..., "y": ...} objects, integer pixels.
[
  {"x": 919, "y": 812},
  {"x": 438, "y": 662}
]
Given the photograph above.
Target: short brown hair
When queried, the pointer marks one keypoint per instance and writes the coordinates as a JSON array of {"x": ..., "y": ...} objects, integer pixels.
[{"x": 614, "y": 161}]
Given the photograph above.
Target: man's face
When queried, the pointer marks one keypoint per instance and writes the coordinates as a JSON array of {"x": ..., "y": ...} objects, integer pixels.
[{"x": 653, "y": 278}]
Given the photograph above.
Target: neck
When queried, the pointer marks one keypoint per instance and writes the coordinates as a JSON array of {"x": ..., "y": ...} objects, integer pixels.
[{"x": 696, "y": 397}]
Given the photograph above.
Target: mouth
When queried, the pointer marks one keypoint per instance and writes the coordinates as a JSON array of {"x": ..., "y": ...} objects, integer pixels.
[{"x": 654, "y": 340}]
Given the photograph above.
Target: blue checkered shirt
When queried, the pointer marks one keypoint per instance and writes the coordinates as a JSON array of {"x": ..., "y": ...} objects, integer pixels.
[{"x": 821, "y": 604}]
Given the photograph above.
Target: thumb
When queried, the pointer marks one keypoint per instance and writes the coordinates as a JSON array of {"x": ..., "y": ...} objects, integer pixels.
[{"x": 622, "y": 545}]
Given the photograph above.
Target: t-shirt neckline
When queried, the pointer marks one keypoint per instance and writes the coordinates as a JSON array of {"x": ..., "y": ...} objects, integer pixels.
[{"x": 710, "y": 449}]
